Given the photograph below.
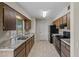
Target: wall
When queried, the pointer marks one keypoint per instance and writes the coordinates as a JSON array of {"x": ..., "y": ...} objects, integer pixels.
[
  {"x": 33, "y": 25},
  {"x": 41, "y": 29},
  {"x": 75, "y": 29}
]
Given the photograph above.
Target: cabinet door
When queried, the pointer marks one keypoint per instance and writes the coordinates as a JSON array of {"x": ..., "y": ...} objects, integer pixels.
[
  {"x": 68, "y": 20},
  {"x": 33, "y": 40},
  {"x": 27, "y": 49},
  {"x": 65, "y": 49},
  {"x": 27, "y": 24},
  {"x": 56, "y": 23},
  {"x": 61, "y": 20},
  {"x": 9, "y": 21},
  {"x": 19, "y": 49},
  {"x": 1, "y": 18},
  {"x": 64, "y": 19},
  {"x": 22, "y": 53}
]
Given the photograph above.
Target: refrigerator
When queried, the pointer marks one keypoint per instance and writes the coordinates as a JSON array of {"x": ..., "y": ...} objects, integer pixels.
[{"x": 52, "y": 30}]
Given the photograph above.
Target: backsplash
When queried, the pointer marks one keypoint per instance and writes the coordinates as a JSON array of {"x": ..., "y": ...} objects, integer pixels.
[{"x": 4, "y": 35}]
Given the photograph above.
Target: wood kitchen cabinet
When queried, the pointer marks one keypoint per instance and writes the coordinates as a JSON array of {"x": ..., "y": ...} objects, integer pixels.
[
  {"x": 65, "y": 50},
  {"x": 68, "y": 20},
  {"x": 8, "y": 17},
  {"x": 24, "y": 49},
  {"x": 61, "y": 20},
  {"x": 1, "y": 18},
  {"x": 21, "y": 54},
  {"x": 58, "y": 22},
  {"x": 54, "y": 22},
  {"x": 20, "y": 51},
  {"x": 65, "y": 19},
  {"x": 27, "y": 49},
  {"x": 57, "y": 43},
  {"x": 9, "y": 22},
  {"x": 27, "y": 24},
  {"x": 29, "y": 45}
]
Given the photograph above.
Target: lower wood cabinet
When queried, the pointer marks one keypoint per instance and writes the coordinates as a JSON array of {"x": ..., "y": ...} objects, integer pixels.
[
  {"x": 29, "y": 45},
  {"x": 24, "y": 49},
  {"x": 21, "y": 54},
  {"x": 19, "y": 50},
  {"x": 27, "y": 49},
  {"x": 65, "y": 50}
]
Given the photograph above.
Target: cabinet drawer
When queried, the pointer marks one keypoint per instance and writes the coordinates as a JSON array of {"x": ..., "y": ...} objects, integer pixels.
[
  {"x": 18, "y": 50},
  {"x": 21, "y": 54}
]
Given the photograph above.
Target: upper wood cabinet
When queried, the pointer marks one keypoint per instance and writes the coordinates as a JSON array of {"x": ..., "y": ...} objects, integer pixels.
[
  {"x": 27, "y": 24},
  {"x": 9, "y": 22},
  {"x": 1, "y": 18},
  {"x": 8, "y": 17},
  {"x": 58, "y": 22},
  {"x": 68, "y": 20},
  {"x": 64, "y": 19},
  {"x": 61, "y": 20}
]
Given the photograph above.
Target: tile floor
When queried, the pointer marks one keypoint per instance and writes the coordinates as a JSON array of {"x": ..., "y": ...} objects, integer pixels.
[{"x": 43, "y": 49}]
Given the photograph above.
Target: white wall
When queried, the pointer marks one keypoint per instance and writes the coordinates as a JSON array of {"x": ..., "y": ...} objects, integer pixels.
[
  {"x": 33, "y": 25},
  {"x": 42, "y": 26},
  {"x": 75, "y": 29}
]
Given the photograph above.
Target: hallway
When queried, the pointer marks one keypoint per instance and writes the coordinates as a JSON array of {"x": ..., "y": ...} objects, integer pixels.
[{"x": 43, "y": 48}]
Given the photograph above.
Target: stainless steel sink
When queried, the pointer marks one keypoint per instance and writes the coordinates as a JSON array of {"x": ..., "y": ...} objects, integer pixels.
[{"x": 22, "y": 38}]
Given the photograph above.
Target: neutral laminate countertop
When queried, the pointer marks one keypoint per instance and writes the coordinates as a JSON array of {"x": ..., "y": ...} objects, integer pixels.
[
  {"x": 10, "y": 45},
  {"x": 67, "y": 41}
]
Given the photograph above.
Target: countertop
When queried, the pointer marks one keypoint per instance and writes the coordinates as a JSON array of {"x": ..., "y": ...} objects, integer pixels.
[
  {"x": 12, "y": 44},
  {"x": 67, "y": 41}
]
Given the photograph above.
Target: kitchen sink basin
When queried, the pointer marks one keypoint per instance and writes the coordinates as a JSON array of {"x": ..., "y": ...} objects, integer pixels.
[{"x": 22, "y": 38}]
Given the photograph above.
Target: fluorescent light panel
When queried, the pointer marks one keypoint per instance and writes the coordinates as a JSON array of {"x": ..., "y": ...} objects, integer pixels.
[{"x": 44, "y": 13}]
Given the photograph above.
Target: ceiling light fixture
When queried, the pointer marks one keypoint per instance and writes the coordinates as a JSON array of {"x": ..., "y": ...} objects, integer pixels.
[{"x": 44, "y": 13}]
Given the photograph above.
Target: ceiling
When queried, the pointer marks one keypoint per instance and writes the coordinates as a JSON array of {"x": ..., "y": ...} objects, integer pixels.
[{"x": 34, "y": 8}]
